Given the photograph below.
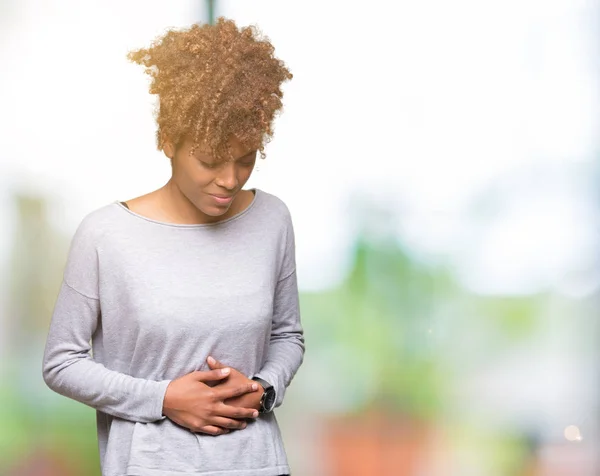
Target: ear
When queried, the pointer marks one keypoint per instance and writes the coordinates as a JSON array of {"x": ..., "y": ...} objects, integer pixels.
[
  {"x": 169, "y": 149},
  {"x": 167, "y": 145}
]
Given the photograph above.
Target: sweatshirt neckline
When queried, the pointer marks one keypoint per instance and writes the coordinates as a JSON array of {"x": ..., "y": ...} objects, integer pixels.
[{"x": 245, "y": 211}]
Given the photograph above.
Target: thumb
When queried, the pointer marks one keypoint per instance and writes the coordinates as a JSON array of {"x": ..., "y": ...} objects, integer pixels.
[{"x": 214, "y": 364}]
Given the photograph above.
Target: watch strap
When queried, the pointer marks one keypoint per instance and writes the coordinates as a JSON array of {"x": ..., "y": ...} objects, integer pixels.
[{"x": 264, "y": 384}]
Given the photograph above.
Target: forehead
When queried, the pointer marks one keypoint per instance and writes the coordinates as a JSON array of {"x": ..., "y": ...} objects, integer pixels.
[
  {"x": 233, "y": 150},
  {"x": 236, "y": 148}
]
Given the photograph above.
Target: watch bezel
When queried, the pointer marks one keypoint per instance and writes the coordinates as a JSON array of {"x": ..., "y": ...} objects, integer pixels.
[
  {"x": 268, "y": 400},
  {"x": 267, "y": 397}
]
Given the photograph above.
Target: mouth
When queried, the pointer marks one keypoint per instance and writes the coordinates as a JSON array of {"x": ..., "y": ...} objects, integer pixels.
[{"x": 222, "y": 199}]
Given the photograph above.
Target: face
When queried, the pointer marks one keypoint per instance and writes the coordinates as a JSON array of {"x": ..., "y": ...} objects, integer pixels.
[{"x": 210, "y": 185}]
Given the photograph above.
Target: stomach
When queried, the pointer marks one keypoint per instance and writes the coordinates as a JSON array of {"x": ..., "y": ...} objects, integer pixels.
[{"x": 162, "y": 447}]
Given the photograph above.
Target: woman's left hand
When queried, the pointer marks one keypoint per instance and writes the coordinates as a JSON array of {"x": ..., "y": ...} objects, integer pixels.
[{"x": 236, "y": 378}]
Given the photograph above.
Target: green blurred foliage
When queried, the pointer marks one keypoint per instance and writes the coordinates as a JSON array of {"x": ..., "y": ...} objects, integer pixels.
[
  {"x": 395, "y": 320},
  {"x": 380, "y": 315}
]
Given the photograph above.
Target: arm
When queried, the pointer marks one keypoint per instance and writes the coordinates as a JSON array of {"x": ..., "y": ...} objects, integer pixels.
[
  {"x": 286, "y": 345},
  {"x": 68, "y": 368},
  {"x": 286, "y": 351}
]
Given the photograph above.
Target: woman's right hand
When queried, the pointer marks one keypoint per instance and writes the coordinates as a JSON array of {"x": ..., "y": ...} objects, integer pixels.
[{"x": 190, "y": 402}]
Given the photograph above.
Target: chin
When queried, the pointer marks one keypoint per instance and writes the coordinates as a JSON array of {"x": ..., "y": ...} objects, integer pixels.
[
  {"x": 214, "y": 210},
  {"x": 205, "y": 205}
]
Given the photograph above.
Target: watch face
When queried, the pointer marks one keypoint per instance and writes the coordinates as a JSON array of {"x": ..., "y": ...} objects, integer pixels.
[{"x": 269, "y": 399}]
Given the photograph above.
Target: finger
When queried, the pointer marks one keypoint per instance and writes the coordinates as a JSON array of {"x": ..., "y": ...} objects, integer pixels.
[
  {"x": 212, "y": 430},
  {"x": 229, "y": 423},
  {"x": 208, "y": 375},
  {"x": 237, "y": 391},
  {"x": 230, "y": 411},
  {"x": 214, "y": 363}
]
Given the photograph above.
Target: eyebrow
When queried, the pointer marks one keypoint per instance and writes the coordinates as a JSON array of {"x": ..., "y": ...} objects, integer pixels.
[
  {"x": 211, "y": 160},
  {"x": 246, "y": 155}
]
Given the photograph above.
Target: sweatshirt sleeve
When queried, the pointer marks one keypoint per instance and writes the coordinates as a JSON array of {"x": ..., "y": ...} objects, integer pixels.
[
  {"x": 68, "y": 367},
  {"x": 286, "y": 345}
]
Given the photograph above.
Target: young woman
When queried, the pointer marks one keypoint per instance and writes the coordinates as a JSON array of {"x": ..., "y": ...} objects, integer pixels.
[{"x": 188, "y": 294}]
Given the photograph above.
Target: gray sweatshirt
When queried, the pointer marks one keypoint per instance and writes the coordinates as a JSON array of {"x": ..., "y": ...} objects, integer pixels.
[{"x": 155, "y": 299}]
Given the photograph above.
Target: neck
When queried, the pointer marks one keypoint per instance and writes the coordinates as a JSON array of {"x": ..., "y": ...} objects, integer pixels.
[{"x": 177, "y": 206}]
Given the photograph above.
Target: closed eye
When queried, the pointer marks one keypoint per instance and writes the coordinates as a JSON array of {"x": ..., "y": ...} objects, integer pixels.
[
  {"x": 209, "y": 166},
  {"x": 249, "y": 159}
]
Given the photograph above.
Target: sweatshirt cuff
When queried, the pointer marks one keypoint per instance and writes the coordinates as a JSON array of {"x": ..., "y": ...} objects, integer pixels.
[
  {"x": 158, "y": 400},
  {"x": 269, "y": 378}
]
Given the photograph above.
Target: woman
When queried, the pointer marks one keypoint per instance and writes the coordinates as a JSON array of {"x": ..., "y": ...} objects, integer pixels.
[{"x": 188, "y": 294}]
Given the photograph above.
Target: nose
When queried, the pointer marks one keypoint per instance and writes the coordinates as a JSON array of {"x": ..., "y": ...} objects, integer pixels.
[{"x": 227, "y": 177}]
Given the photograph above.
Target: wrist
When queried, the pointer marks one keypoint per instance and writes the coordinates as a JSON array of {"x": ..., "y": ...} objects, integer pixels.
[
  {"x": 259, "y": 398},
  {"x": 267, "y": 398}
]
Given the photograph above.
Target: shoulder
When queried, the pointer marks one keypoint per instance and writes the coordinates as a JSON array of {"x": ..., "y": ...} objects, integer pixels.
[
  {"x": 276, "y": 215},
  {"x": 96, "y": 224},
  {"x": 275, "y": 206},
  {"x": 81, "y": 270}
]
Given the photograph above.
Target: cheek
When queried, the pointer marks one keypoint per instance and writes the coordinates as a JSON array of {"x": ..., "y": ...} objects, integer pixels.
[
  {"x": 244, "y": 174},
  {"x": 193, "y": 185},
  {"x": 198, "y": 178}
]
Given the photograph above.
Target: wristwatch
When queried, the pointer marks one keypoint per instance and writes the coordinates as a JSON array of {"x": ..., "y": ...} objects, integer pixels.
[{"x": 267, "y": 401}]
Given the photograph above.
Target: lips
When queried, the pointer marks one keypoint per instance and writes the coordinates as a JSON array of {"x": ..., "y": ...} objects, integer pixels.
[{"x": 222, "y": 199}]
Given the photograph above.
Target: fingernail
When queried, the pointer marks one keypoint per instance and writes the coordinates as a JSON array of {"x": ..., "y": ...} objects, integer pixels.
[
  {"x": 254, "y": 386},
  {"x": 211, "y": 360},
  {"x": 224, "y": 371},
  {"x": 255, "y": 414}
]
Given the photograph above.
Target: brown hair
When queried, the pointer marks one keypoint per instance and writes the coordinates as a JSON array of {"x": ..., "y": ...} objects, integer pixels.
[{"x": 214, "y": 82}]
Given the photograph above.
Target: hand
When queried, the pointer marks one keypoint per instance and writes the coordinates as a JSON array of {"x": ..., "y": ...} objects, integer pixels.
[
  {"x": 190, "y": 402},
  {"x": 236, "y": 378}
]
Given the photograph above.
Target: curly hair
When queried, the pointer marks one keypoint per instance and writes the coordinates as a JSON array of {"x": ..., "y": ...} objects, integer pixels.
[{"x": 214, "y": 82}]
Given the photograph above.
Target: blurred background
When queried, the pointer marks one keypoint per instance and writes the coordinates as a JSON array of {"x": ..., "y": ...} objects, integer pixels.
[{"x": 441, "y": 163}]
